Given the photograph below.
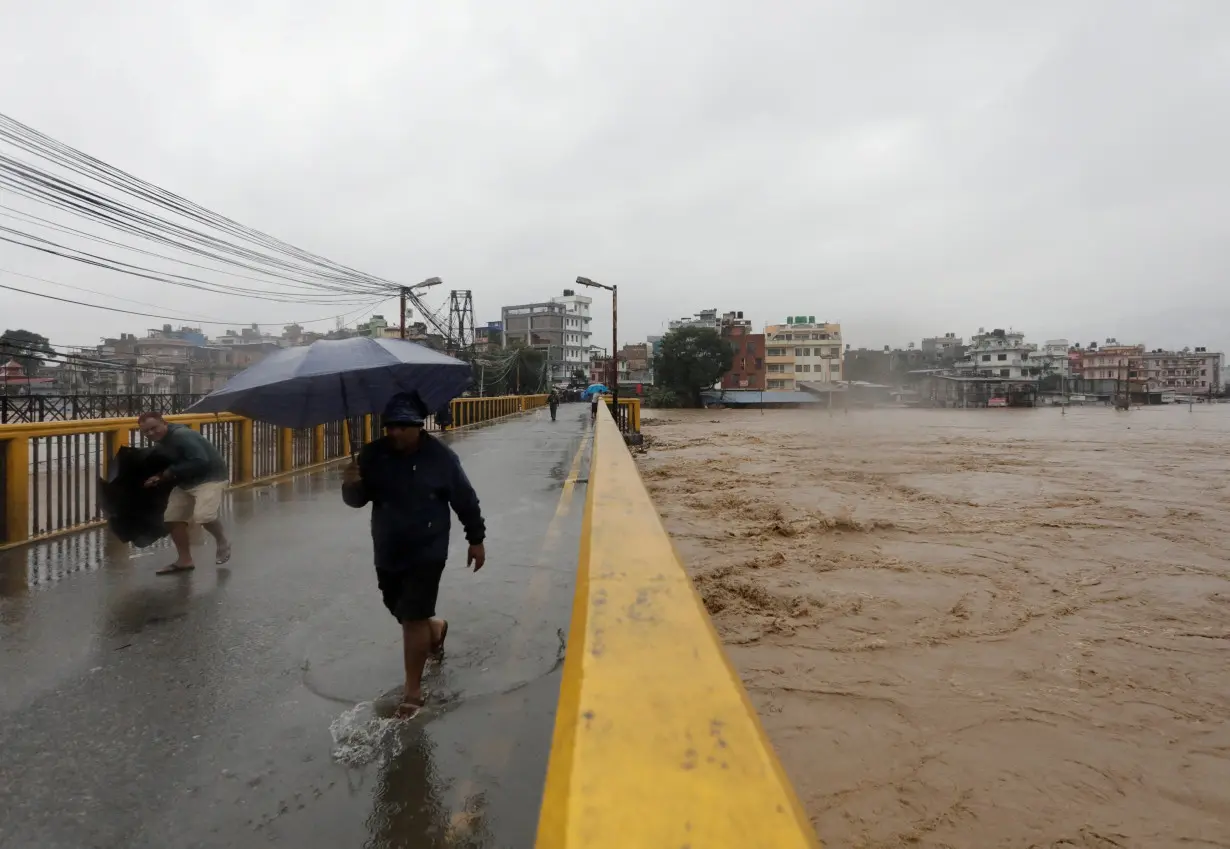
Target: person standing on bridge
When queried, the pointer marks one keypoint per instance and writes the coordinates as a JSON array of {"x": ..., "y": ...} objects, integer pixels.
[
  {"x": 200, "y": 476},
  {"x": 553, "y": 403},
  {"x": 411, "y": 479}
]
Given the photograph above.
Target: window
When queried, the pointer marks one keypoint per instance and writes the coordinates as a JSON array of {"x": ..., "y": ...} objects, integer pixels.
[
  {"x": 777, "y": 384},
  {"x": 1003, "y": 357},
  {"x": 751, "y": 348},
  {"x": 804, "y": 368},
  {"x": 986, "y": 358},
  {"x": 1003, "y": 372},
  {"x": 836, "y": 370},
  {"x": 759, "y": 363}
]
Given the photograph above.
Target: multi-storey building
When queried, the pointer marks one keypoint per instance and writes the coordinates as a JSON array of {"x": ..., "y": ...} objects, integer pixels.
[
  {"x": 1195, "y": 372},
  {"x": 704, "y": 318},
  {"x": 999, "y": 353},
  {"x": 1052, "y": 359},
  {"x": 802, "y": 349},
  {"x": 747, "y": 367},
  {"x": 558, "y": 327}
]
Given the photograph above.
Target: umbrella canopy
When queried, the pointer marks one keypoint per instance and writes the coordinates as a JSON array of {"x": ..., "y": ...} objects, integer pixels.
[
  {"x": 597, "y": 387},
  {"x": 335, "y": 378}
]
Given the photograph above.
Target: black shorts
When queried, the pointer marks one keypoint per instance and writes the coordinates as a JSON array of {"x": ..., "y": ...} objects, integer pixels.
[{"x": 410, "y": 594}]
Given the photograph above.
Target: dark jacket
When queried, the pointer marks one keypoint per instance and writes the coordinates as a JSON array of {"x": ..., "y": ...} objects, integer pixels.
[
  {"x": 410, "y": 494},
  {"x": 193, "y": 458}
]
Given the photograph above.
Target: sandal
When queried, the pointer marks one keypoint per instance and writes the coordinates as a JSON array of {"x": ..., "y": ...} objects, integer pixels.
[
  {"x": 174, "y": 569},
  {"x": 223, "y": 556},
  {"x": 438, "y": 645}
]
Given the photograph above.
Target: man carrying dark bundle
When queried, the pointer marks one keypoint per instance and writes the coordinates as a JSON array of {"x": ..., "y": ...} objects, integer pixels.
[{"x": 412, "y": 479}]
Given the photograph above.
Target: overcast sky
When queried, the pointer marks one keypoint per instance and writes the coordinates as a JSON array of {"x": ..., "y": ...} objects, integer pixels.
[{"x": 905, "y": 167}]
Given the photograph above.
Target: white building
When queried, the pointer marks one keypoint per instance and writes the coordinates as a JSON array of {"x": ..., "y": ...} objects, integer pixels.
[
  {"x": 560, "y": 328},
  {"x": 576, "y": 330},
  {"x": 704, "y": 318},
  {"x": 1052, "y": 359},
  {"x": 1188, "y": 372},
  {"x": 803, "y": 350},
  {"x": 999, "y": 353}
]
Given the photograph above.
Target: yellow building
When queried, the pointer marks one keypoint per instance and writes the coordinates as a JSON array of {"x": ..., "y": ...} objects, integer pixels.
[{"x": 802, "y": 350}]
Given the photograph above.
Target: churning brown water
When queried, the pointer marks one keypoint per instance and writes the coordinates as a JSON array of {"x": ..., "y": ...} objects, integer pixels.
[{"x": 983, "y": 628}]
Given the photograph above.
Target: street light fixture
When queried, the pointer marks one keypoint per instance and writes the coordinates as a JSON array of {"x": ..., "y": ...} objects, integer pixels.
[
  {"x": 406, "y": 290},
  {"x": 614, "y": 290}
]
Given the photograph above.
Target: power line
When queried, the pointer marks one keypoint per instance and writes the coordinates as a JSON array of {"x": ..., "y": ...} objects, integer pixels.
[{"x": 154, "y": 315}]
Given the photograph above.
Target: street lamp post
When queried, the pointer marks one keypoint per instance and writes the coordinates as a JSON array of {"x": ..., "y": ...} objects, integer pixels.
[
  {"x": 405, "y": 292},
  {"x": 614, "y": 290}
]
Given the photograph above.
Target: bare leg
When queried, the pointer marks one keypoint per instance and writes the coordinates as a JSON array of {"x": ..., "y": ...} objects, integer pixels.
[
  {"x": 219, "y": 534},
  {"x": 416, "y": 638},
  {"x": 183, "y": 543}
]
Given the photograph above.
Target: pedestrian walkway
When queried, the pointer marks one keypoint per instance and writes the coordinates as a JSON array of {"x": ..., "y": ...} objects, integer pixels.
[{"x": 232, "y": 707}]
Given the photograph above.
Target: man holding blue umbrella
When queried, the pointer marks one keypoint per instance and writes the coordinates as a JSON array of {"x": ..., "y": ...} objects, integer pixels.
[{"x": 412, "y": 479}]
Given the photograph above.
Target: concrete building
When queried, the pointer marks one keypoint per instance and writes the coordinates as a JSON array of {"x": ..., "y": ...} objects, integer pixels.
[
  {"x": 248, "y": 336},
  {"x": 635, "y": 364},
  {"x": 999, "y": 353},
  {"x": 1052, "y": 359},
  {"x": 560, "y": 328},
  {"x": 377, "y": 327},
  {"x": 948, "y": 347},
  {"x": 747, "y": 368},
  {"x": 704, "y": 318},
  {"x": 1186, "y": 372},
  {"x": 802, "y": 349}
]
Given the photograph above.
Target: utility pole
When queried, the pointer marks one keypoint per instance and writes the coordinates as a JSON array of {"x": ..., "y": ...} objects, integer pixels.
[{"x": 405, "y": 293}]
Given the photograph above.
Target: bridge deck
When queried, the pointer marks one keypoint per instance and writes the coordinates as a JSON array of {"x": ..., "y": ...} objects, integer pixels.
[{"x": 197, "y": 711}]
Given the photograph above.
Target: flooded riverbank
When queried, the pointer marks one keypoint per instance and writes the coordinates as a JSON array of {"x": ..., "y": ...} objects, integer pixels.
[{"x": 972, "y": 628}]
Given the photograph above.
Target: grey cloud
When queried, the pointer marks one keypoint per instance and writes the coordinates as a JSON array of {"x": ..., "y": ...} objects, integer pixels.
[{"x": 904, "y": 167}]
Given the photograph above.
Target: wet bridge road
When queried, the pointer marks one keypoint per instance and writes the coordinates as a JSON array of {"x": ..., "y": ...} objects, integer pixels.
[{"x": 245, "y": 706}]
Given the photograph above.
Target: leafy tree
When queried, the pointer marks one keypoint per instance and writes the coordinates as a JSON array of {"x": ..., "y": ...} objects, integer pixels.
[
  {"x": 579, "y": 377},
  {"x": 26, "y": 347},
  {"x": 692, "y": 359}
]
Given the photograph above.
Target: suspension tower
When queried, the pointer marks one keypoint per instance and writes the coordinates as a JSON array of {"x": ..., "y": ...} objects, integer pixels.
[{"x": 460, "y": 321}]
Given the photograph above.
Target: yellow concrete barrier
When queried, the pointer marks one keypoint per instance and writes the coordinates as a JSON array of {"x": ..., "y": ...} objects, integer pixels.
[{"x": 656, "y": 744}]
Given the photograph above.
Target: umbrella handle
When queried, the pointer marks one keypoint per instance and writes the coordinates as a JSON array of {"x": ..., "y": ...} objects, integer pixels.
[{"x": 346, "y": 414}]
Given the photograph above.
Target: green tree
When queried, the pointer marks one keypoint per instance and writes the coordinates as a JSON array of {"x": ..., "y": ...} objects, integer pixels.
[
  {"x": 579, "y": 377},
  {"x": 26, "y": 347},
  {"x": 692, "y": 359}
]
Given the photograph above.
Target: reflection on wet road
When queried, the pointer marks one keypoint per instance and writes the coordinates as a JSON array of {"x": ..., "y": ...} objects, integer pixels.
[{"x": 248, "y": 705}]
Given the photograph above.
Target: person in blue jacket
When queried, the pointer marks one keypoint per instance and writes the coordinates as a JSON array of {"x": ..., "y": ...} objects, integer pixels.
[{"x": 412, "y": 479}]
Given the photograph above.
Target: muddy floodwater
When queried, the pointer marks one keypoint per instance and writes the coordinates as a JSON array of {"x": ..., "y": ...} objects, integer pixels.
[{"x": 982, "y": 628}]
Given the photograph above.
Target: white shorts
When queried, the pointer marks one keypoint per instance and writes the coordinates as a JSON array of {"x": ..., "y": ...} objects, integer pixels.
[{"x": 199, "y": 504}]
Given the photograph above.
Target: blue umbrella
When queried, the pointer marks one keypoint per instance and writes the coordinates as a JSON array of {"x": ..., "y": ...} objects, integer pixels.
[
  {"x": 334, "y": 379},
  {"x": 597, "y": 387}
]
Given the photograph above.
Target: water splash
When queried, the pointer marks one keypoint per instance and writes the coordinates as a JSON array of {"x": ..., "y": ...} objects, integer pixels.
[{"x": 360, "y": 737}]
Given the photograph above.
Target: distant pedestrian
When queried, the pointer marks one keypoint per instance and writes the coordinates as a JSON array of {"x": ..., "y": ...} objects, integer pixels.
[
  {"x": 553, "y": 403},
  {"x": 200, "y": 476},
  {"x": 593, "y": 406},
  {"x": 444, "y": 416},
  {"x": 411, "y": 479}
]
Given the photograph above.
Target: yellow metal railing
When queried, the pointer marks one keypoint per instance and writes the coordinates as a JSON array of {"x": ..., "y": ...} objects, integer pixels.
[
  {"x": 630, "y": 413},
  {"x": 49, "y": 470},
  {"x": 656, "y": 743}
]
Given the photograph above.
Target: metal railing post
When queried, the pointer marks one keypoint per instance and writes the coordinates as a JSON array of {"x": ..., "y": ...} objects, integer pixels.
[
  {"x": 246, "y": 449},
  {"x": 286, "y": 449},
  {"x": 318, "y": 444},
  {"x": 16, "y": 489}
]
